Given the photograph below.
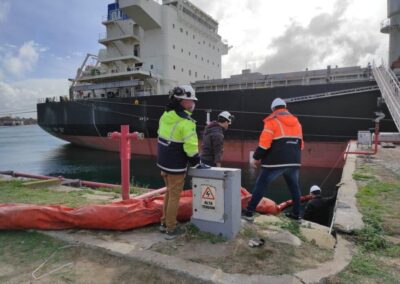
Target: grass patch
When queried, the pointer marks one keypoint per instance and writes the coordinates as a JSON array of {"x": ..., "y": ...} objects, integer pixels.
[
  {"x": 362, "y": 176},
  {"x": 372, "y": 236},
  {"x": 367, "y": 268},
  {"x": 193, "y": 233},
  {"x": 378, "y": 203},
  {"x": 292, "y": 226},
  {"x": 14, "y": 192},
  {"x": 21, "y": 249}
]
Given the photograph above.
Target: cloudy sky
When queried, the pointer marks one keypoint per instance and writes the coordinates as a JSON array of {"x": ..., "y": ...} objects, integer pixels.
[{"x": 42, "y": 42}]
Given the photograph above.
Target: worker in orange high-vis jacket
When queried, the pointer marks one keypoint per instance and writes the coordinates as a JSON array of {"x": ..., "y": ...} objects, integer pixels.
[{"x": 278, "y": 153}]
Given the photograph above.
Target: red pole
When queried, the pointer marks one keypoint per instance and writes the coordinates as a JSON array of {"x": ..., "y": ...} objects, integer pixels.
[{"x": 125, "y": 155}]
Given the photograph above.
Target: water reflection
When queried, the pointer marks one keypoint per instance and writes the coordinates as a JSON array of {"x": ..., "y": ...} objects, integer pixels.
[{"x": 29, "y": 149}]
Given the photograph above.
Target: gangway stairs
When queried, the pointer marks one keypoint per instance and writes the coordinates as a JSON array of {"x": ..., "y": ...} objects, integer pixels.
[
  {"x": 332, "y": 94},
  {"x": 390, "y": 89}
]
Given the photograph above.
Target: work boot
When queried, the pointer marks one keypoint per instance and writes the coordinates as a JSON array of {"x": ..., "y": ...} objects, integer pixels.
[
  {"x": 170, "y": 235},
  {"x": 162, "y": 228},
  {"x": 247, "y": 215},
  {"x": 293, "y": 216}
]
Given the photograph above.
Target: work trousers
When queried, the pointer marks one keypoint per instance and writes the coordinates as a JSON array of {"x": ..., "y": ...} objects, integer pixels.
[
  {"x": 268, "y": 175},
  {"x": 174, "y": 184}
]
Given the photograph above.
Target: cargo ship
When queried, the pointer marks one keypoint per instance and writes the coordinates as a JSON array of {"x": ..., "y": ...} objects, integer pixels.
[{"x": 150, "y": 47}]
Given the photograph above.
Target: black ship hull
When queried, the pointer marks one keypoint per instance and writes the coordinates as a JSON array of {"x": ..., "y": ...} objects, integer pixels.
[{"x": 328, "y": 119}]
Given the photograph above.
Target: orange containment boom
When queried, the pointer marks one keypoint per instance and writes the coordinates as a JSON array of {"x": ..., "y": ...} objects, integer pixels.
[{"x": 122, "y": 215}]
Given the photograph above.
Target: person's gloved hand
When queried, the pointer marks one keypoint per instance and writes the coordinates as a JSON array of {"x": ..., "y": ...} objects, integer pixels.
[{"x": 202, "y": 166}]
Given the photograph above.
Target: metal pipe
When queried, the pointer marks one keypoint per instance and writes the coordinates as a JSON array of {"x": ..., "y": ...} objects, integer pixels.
[
  {"x": 83, "y": 182},
  {"x": 152, "y": 193},
  {"x": 125, "y": 155}
]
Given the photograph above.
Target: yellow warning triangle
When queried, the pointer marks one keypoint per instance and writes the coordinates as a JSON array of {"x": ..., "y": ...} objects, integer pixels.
[{"x": 208, "y": 194}]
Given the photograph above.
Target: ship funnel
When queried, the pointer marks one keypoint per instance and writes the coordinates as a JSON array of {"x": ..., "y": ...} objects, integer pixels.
[{"x": 391, "y": 26}]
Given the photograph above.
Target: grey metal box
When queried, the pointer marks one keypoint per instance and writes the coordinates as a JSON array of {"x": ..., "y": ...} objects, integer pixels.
[
  {"x": 216, "y": 200},
  {"x": 364, "y": 138}
]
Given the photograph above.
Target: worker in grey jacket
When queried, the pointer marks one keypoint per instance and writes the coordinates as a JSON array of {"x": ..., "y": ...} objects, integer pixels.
[{"x": 212, "y": 146}]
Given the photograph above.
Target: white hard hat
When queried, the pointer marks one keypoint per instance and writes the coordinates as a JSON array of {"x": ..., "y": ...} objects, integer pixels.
[
  {"x": 277, "y": 102},
  {"x": 184, "y": 92},
  {"x": 226, "y": 115},
  {"x": 315, "y": 188}
]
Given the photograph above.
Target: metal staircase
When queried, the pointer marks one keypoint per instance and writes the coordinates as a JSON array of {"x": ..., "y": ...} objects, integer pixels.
[
  {"x": 390, "y": 89},
  {"x": 332, "y": 94}
]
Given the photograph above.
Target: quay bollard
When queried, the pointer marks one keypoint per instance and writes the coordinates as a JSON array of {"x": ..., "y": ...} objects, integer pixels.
[{"x": 125, "y": 155}]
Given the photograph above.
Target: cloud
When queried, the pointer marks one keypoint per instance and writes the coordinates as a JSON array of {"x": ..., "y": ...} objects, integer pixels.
[
  {"x": 23, "y": 95},
  {"x": 4, "y": 10},
  {"x": 23, "y": 61},
  {"x": 328, "y": 39}
]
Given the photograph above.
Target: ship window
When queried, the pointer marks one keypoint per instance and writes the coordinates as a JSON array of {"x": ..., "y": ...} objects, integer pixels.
[
  {"x": 187, "y": 33},
  {"x": 189, "y": 53},
  {"x": 208, "y": 61},
  {"x": 151, "y": 66},
  {"x": 182, "y": 50},
  {"x": 195, "y": 74},
  {"x": 199, "y": 42},
  {"x": 173, "y": 46},
  {"x": 182, "y": 69},
  {"x": 202, "y": 59},
  {"x": 195, "y": 56},
  {"x": 190, "y": 72},
  {"x": 194, "y": 36},
  {"x": 204, "y": 76},
  {"x": 218, "y": 49},
  {"x": 136, "y": 50},
  {"x": 173, "y": 67},
  {"x": 204, "y": 42},
  {"x": 213, "y": 63},
  {"x": 218, "y": 65},
  {"x": 173, "y": 26},
  {"x": 181, "y": 30},
  {"x": 213, "y": 46},
  {"x": 209, "y": 44}
]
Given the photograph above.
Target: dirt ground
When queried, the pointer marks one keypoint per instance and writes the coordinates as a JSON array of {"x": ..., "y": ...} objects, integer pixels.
[
  {"x": 84, "y": 265},
  {"x": 235, "y": 256},
  {"x": 21, "y": 253}
]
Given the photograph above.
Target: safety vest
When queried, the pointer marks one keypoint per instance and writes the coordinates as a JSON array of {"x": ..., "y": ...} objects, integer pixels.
[
  {"x": 281, "y": 141},
  {"x": 177, "y": 142}
]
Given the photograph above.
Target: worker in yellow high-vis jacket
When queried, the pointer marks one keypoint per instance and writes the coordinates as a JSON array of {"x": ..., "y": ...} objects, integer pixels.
[{"x": 177, "y": 146}]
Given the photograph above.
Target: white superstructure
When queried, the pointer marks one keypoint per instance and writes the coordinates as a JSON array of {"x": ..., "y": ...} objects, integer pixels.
[{"x": 150, "y": 48}]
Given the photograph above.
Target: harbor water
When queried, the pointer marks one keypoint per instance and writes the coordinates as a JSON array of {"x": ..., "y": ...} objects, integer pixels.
[{"x": 29, "y": 149}]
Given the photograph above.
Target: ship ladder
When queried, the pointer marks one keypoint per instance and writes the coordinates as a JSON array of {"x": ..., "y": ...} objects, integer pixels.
[
  {"x": 389, "y": 86},
  {"x": 332, "y": 94}
]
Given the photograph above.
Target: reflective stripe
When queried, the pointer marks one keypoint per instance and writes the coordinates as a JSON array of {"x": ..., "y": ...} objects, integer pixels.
[
  {"x": 173, "y": 129},
  {"x": 282, "y": 137},
  {"x": 268, "y": 130},
  {"x": 171, "y": 170},
  {"x": 170, "y": 140},
  {"x": 281, "y": 165},
  {"x": 262, "y": 147},
  {"x": 187, "y": 137},
  {"x": 163, "y": 143},
  {"x": 280, "y": 126}
]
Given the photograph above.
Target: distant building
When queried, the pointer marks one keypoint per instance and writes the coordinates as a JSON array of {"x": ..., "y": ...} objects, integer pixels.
[{"x": 10, "y": 121}]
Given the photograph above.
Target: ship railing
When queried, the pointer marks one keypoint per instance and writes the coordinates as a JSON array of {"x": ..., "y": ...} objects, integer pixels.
[
  {"x": 332, "y": 94},
  {"x": 390, "y": 89},
  {"x": 272, "y": 83}
]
